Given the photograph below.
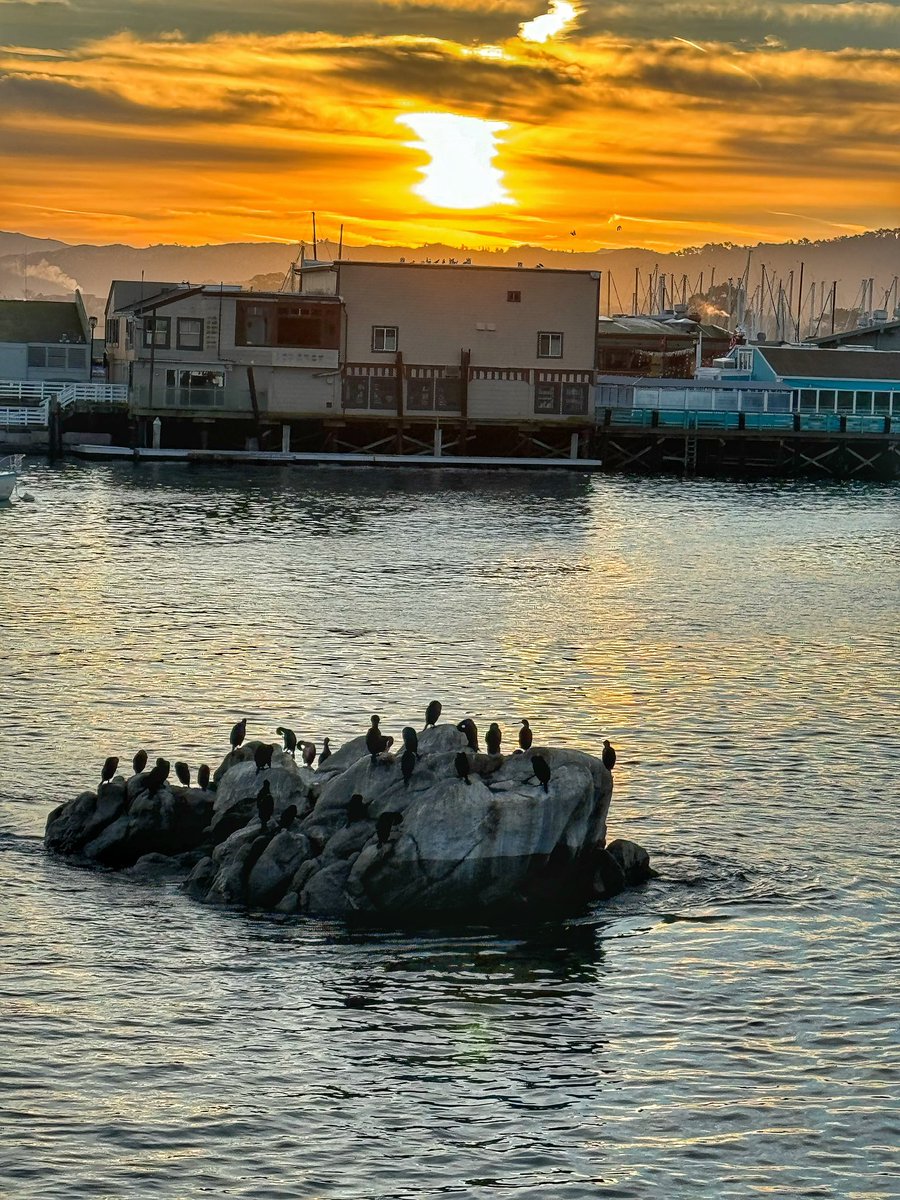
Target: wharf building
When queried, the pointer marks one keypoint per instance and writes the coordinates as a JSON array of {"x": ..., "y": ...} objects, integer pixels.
[{"x": 364, "y": 355}]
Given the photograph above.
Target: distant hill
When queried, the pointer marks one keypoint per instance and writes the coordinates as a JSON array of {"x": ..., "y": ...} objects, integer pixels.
[{"x": 33, "y": 266}]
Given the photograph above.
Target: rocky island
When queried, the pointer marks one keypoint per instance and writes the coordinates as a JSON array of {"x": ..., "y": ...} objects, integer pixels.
[{"x": 439, "y": 829}]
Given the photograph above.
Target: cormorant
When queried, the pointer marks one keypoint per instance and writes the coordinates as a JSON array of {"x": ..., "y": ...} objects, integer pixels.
[
  {"x": 541, "y": 768},
  {"x": 290, "y": 740},
  {"x": 325, "y": 752},
  {"x": 493, "y": 738},
  {"x": 262, "y": 756},
  {"x": 183, "y": 771},
  {"x": 289, "y": 816},
  {"x": 356, "y": 809},
  {"x": 265, "y": 805},
  {"x": 462, "y": 766},
  {"x": 309, "y": 753},
  {"x": 408, "y": 765},
  {"x": 139, "y": 761},
  {"x": 385, "y": 824},
  {"x": 410, "y": 739},
  {"x": 433, "y": 713},
  {"x": 238, "y": 733},
  {"x": 203, "y": 777},
  {"x": 470, "y": 729},
  {"x": 526, "y": 737},
  {"x": 157, "y": 776},
  {"x": 108, "y": 769},
  {"x": 376, "y": 742},
  {"x": 609, "y": 755}
]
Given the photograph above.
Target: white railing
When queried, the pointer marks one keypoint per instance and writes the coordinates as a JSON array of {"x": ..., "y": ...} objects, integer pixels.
[
  {"x": 92, "y": 393},
  {"x": 33, "y": 399},
  {"x": 17, "y": 389},
  {"x": 32, "y": 414}
]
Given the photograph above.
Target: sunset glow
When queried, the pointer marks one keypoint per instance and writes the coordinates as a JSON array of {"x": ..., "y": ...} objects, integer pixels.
[{"x": 776, "y": 122}]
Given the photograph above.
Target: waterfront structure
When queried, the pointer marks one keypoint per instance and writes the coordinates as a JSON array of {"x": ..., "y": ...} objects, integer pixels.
[
  {"x": 658, "y": 347},
  {"x": 44, "y": 341},
  {"x": 882, "y": 335}
]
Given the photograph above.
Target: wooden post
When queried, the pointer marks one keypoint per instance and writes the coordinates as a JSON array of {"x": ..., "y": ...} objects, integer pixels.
[
  {"x": 438, "y": 441},
  {"x": 254, "y": 401},
  {"x": 285, "y": 439},
  {"x": 54, "y": 430},
  {"x": 573, "y": 444}
]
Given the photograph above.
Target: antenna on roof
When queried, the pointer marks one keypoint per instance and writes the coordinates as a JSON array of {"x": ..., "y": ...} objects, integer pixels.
[
  {"x": 315, "y": 252},
  {"x": 341, "y": 243}
]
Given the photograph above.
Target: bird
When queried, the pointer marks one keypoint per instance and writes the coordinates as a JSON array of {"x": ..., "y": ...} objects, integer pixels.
[
  {"x": 609, "y": 755},
  {"x": 526, "y": 737},
  {"x": 157, "y": 776},
  {"x": 410, "y": 739},
  {"x": 493, "y": 738},
  {"x": 572, "y": 232},
  {"x": 238, "y": 733},
  {"x": 289, "y": 816},
  {"x": 541, "y": 768},
  {"x": 262, "y": 756},
  {"x": 325, "y": 752},
  {"x": 470, "y": 729},
  {"x": 203, "y": 777},
  {"x": 183, "y": 771},
  {"x": 433, "y": 713},
  {"x": 356, "y": 809},
  {"x": 309, "y": 753},
  {"x": 265, "y": 805},
  {"x": 462, "y": 766},
  {"x": 376, "y": 742},
  {"x": 108, "y": 769},
  {"x": 139, "y": 761},
  {"x": 290, "y": 740},
  {"x": 408, "y": 765},
  {"x": 385, "y": 824}
]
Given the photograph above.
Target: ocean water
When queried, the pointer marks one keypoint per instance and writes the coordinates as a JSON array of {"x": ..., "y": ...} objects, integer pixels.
[{"x": 729, "y": 1030}]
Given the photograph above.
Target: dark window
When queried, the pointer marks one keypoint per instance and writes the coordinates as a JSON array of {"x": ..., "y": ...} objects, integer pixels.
[
  {"x": 37, "y": 356},
  {"x": 190, "y": 333},
  {"x": 112, "y": 331},
  {"x": 546, "y": 398},
  {"x": 514, "y": 297},
  {"x": 574, "y": 399},
  {"x": 289, "y": 323},
  {"x": 156, "y": 332},
  {"x": 550, "y": 345},
  {"x": 384, "y": 338}
]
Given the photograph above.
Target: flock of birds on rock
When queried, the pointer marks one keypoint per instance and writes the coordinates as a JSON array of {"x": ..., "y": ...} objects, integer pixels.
[{"x": 376, "y": 744}]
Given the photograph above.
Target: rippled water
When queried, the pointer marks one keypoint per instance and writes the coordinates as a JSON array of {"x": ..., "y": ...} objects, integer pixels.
[{"x": 728, "y": 1031}]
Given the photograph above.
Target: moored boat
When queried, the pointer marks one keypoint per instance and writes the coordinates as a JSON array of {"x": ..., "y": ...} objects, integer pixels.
[{"x": 10, "y": 468}]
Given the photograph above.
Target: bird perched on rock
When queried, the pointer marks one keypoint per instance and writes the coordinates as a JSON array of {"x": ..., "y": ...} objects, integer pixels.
[
  {"x": 139, "y": 761},
  {"x": 108, "y": 769},
  {"x": 357, "y": 809},
  {"x": 290, "y": 740},
  {"x": 410, "y": 739},
  {"x": 526, "y": 737},
  {"x": 461, "y": 763},
  {"x": 470, "y": 729},
  {"x": 325, "y": 753},
  {"x": 183, "y": 771},
  {"x": 541, "y": 768},
  {"x": 289, "y": 816},
  {"x": 385, "y": 824},
  {"x": 262, "y": 756},
  {"x": 408, "y": 765},
  {"x": 376, "y": 742},
  {"x": 265, "y": 805},
  {"x": 203, "y": 777},
  {"x": 433, "y": 713},
  {"x": 157, "y": 776},
  {"x": 609, "y": 755},
  {"x": 238, "y": 733},
  {"x": 309, "y": 753},
  {"x": 493, "y": 738}
]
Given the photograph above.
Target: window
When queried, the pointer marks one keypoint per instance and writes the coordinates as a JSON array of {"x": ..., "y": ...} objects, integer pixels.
[
  {"x": 288, "y": 323},
  {"x": 513, "y": 297},
  {"x": 745, "y": 360},
  {"x": 190, "y": 333},
  {"x": 384, "y": 338},
  {"x": 195, "y": 379},
  {"x": 112, "y": 331},
  {"x": 550, "y": 345},
  {"x": 156, "y": 332}
]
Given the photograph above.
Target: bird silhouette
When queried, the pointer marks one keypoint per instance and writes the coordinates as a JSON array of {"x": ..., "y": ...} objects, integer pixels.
[
  {"x": 376, "y": 742},
  {"x": 356, "y": 809},
  {"x": 157, "y": 776},
  {"x": 410, "y": 739},
  {"x": 139, "y": 761},
  {"x": 609, "y": 755},
  {"x": 288, "y": 816},
  {"x": 461, "y": 763},
  {"x": 385, "y": 824},
  {"x": 433, "y": 713},
  {"x": 493, "y": 738},
  {"x": 309, "y": 753},
  {"x": 526, "y": 737},
  {"x": 470, "y": 729},
  {"x": 541, "y": 768},
  {"x": 203, "y": 777},
  {"x": 262, "y": 756},
  {"x": 238, "y": 733},
  {"x": 108, "y": 769},
  {"x": 290, "y": 740},
  {"x": 325, "y": 752},
  {"x": 183, "y": 771},
  {"x": 265, "y": 805},
  {"x": 408, "y": 765}
]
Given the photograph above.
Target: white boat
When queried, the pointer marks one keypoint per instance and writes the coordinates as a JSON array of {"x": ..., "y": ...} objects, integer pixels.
[{"x": 10, "y": 469}]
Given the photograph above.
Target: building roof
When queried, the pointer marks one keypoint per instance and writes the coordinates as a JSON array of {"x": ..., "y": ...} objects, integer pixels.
[
  {"x": 26, "y": 321},
  {"x": 858, "y": 334},
  {"x": 816, "y": 363},
  {"x": 446, "y": 265},
  {"x": 125, "y": 293}
]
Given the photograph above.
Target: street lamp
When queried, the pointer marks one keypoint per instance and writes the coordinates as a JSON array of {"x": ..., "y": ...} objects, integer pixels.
[{"x": 92, "y": 321}]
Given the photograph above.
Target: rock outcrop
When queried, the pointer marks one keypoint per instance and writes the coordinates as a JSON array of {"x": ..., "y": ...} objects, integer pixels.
[{"x": 496, "y": 841}]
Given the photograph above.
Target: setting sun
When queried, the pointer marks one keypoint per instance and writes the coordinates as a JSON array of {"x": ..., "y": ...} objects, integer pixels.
[{"x": 461, "y": 173}]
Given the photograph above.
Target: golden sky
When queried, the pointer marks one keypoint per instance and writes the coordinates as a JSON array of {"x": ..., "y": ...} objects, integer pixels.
[{"x": 662, "y": 123}]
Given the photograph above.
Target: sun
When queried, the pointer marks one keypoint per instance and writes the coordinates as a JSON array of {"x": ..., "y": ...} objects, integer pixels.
[{"x": 461, "y": 173}]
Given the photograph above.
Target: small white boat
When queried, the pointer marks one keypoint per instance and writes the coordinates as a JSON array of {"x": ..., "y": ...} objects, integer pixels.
[{"x": 10, "y": 469}]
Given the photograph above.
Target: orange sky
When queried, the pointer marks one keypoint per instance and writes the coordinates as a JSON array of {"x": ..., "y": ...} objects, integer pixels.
[{"x": 200, "y": 122}]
